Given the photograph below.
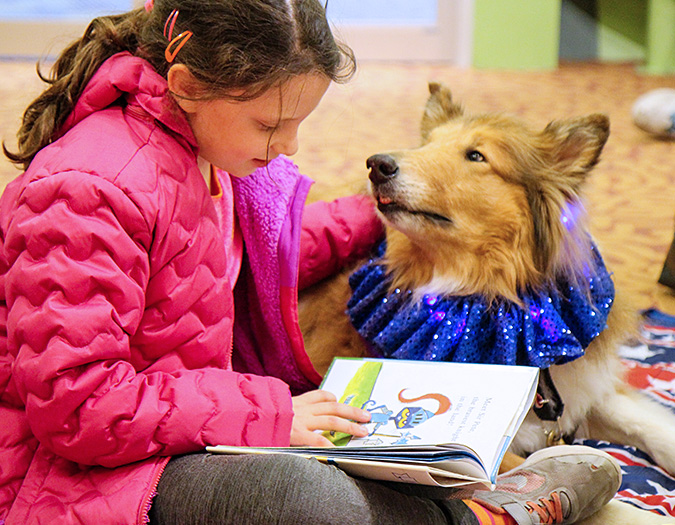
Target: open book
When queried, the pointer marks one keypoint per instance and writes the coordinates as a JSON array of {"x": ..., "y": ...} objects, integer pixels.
[{"x": 433, "y": 423}]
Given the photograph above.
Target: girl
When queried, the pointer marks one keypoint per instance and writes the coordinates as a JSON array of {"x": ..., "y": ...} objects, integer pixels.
[{"x": 150, "y": 260}]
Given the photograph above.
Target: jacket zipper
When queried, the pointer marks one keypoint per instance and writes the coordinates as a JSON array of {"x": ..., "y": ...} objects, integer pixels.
[{"x": 144, "y": 517}]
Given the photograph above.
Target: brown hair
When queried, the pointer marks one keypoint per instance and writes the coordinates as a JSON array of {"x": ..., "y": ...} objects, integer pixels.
[{"x": 243, "y": 46}]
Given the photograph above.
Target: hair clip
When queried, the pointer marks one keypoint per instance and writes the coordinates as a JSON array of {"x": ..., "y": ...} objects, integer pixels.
[
  {"x": 170, "y": 19},
  {"x": 149, "y": 4},
  {"x": 179, "y": 41}
]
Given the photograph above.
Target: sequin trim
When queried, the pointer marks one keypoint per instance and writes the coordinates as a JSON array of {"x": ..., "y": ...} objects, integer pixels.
[{"x": 554, "y": 326}]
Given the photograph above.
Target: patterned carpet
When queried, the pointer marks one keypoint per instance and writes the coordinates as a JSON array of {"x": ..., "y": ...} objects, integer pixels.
[
  {"x": 650, "y": 367},
  {"x": 630, "y": 197}
]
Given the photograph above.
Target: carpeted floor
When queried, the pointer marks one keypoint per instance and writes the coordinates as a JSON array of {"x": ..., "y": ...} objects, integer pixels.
[{"x": 631, "y": 196}]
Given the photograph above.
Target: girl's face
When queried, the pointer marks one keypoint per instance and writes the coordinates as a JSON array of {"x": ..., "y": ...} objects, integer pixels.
[{"x": 240, "y": 137}]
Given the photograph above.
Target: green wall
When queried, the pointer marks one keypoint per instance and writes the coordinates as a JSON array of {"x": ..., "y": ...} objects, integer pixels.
[
  {"x": 638, "y": 30},
  {"x": 661, "y": 37},
  {"x": 525, "y": 34},
  {"x": 520, "y": 34},
  {"x": 622, "y": 30}
]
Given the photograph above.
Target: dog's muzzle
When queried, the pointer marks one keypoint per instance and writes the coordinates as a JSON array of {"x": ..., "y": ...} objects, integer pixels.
[{"x": 383, "y": 168}]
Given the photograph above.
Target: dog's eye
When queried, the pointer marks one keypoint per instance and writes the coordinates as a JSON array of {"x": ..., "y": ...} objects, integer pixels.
[{"x": 475, "y": 156}]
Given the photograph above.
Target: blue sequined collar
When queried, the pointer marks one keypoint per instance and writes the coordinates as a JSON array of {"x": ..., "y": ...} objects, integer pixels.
[{"x": 553, "y": 327}]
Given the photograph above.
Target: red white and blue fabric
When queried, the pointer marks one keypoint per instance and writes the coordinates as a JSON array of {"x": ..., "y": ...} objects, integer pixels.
[{"x": 651, "y": 368}]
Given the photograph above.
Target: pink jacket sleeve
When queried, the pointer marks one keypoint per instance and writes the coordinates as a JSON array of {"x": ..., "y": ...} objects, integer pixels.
[
  {"x": 77, "y": 291},
  {"x": 336, "y": 234}
]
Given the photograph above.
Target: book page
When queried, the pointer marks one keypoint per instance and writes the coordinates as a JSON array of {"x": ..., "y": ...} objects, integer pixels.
[
  {"x": 411, "y": 473},
  {"x": 419, "y": 402}
]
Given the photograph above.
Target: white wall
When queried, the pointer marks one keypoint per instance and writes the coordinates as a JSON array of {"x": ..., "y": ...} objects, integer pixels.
[
  {"x": 440, "y": 30},
  {"x": 386, "y": 30}
]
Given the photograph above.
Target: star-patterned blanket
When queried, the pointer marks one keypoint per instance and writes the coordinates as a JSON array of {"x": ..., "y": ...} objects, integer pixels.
[{"x": 651, "y": 368}]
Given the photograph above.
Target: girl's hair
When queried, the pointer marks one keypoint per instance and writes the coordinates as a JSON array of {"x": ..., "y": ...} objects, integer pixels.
[{"x": 241, "y": 47}]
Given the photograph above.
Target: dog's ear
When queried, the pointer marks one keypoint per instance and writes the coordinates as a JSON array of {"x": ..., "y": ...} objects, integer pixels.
[
  {"x": 439, "y": 109},
  {"x": 575, "y": 144},
  {"x": 572, "y": 148}
]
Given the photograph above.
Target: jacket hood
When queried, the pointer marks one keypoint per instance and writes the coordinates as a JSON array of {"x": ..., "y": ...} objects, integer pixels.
[{"x": 134, "y": 79}]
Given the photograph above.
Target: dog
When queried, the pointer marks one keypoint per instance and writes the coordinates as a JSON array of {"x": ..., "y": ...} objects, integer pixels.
[{"x": 490, "y": 209}]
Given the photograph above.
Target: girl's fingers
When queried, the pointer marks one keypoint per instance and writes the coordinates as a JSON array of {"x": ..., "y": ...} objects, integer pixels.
[
  {"x": 312, "y": 439},
  {"x": 342, "y": 410},
  {"x": 319, "y": 411},
  {"x": 314, "y": 397},
  {"x": 336, "y": 424},
  {"x": 322, "y": 403},
  {"x": 304, "y": 431}
]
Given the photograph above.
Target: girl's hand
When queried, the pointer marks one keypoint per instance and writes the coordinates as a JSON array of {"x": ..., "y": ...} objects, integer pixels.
[{"x": 319, "y": 410}]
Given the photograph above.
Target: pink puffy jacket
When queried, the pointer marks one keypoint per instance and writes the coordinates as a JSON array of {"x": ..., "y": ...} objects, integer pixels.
[{"x": 117, "y": 326}]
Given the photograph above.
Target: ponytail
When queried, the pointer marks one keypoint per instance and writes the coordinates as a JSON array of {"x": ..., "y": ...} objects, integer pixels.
[{"x": 42, "y": 120}]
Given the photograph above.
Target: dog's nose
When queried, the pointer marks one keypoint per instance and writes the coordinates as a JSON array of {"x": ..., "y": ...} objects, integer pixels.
[{"x": 382, "y": 168}]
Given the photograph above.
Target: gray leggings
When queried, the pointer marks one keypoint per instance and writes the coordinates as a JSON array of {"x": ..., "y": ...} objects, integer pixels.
[{"x": 206, "y": 489}]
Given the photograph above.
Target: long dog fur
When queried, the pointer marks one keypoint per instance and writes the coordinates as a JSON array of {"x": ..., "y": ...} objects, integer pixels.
[{"x": 479, "y": 208}]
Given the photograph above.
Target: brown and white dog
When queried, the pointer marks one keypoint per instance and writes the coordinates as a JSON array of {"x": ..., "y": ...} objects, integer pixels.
[{"x": 478, "y": 209}]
